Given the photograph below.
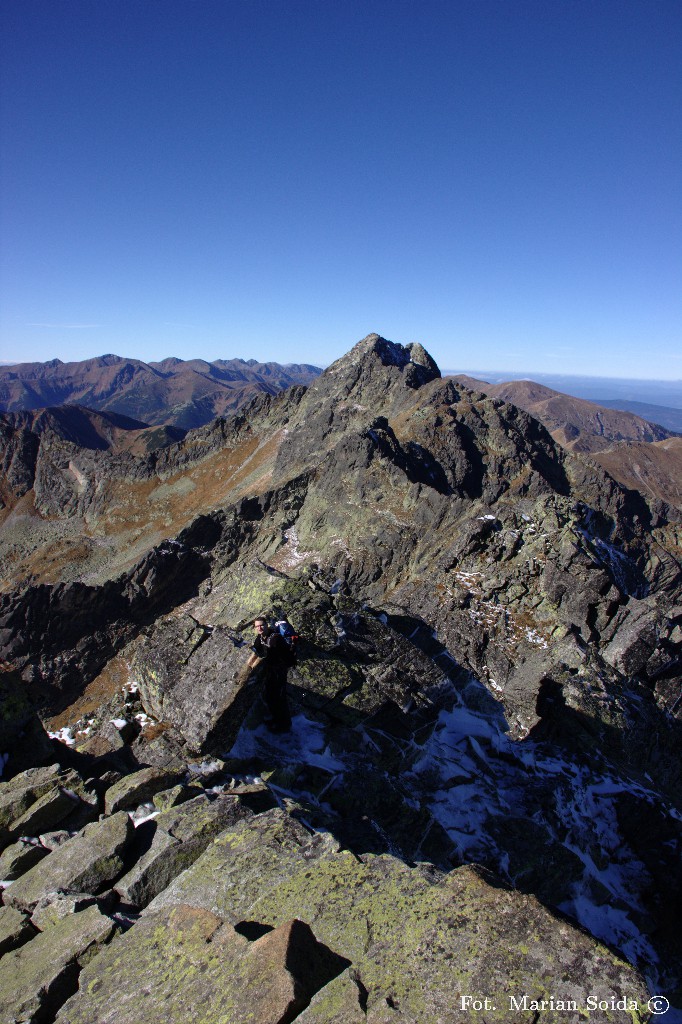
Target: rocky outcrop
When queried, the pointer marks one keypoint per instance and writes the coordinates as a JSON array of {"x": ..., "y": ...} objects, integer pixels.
[
  {"x": 196, "y": 678},
  {"x": 86, "y": 863},
  {"x": 68, "y": 632},
  {"x": 413, "y": 939},
  {"x": 574, "y": 422},
  {"x": 203, "y": 961},
  {"x": 40, "y": 798},
  {"x": 242, "y": 862}
]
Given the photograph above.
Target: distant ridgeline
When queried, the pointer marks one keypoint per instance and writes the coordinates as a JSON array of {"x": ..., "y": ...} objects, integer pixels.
[{"x": 174, "y": 392}]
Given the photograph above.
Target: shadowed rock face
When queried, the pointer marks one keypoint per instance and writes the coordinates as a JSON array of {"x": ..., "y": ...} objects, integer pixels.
[{"x": 488, "y": 673}]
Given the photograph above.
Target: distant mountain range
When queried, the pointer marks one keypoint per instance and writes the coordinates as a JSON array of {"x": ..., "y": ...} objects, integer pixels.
[
  {"x": 667, "y": 417},
  {"x": 181, "y": 393}
]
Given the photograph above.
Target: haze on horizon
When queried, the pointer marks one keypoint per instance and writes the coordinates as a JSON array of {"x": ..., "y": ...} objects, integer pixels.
[{"x": 219, "y": 179}]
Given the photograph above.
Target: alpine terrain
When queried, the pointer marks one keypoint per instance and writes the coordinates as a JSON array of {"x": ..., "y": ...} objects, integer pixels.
[{"x": 476, "y": 815}]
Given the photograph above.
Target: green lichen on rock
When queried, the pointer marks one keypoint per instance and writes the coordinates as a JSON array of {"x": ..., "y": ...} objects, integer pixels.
[
  {"x": 186, "y": 965},
  {"x": 87, "y": 863},
  {"x": 140, "y": 786},
  {"x": 38, "y": 977},
  {"x": 413, "y": 935},
  {"x": 15, "y": 929}
]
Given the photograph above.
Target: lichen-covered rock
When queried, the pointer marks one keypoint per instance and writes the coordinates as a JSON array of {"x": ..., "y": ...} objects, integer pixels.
[
  {"x": 139, "y": 787},
  {"x": 186, "y": 965},
  {"x": 15, "y": 929},
  {"x": 54, "y": 906},
  {"x": 344, "y": 1001},
  {"x": 38, "y": 798},
  {"x": 177, "y": 794},
  {"x": 636, "y": 637},
  {"x": 16, "y": 859},
  {"x": 242, "y": 858},
  {"x": 87, "y": 863},
  {"x": 197, "y": 679},
  {"x": 45, "y": 812},
  {"x": 38, "y": 977},
  {"x": 17, "y": 795},
  {"x": 414, "y": 937},
  {"x": 151, "y": 873},
  {"x": 181, "y": 834}
]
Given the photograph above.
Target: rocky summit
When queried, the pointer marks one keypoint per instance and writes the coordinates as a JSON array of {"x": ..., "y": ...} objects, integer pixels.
[{"x": 476, "y": 815}]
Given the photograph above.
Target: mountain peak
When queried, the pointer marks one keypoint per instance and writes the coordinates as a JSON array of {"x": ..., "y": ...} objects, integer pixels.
[{"x": 414, "y": 358}]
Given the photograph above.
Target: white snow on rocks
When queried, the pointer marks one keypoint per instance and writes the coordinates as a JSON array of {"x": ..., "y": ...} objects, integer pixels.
[{"x": 64, "y": 736}]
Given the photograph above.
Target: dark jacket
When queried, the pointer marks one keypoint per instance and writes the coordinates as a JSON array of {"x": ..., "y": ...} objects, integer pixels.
[{"x": 273, "y": 649}]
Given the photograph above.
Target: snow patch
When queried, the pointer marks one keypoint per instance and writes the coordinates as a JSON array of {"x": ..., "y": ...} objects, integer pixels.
[
  {"x": 145, "y": 812},
  {"x": 64, "y": 735},
  {"x": 306, "y": 743},
  {"x": 290, "y": 554}
]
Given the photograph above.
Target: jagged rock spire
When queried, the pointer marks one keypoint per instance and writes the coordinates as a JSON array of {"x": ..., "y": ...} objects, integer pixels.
[{"x": 391, "y": 353}]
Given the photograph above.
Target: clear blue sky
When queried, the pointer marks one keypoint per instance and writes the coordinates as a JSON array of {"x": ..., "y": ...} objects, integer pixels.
[{"x": 500, "y": 180}]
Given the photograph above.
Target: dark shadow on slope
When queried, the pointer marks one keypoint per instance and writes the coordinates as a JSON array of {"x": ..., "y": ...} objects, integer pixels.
[{"x": 370, "y": 807}]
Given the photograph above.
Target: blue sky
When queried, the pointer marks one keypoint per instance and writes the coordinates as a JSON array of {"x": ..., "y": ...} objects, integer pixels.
[{"x": 500, "y": 180}]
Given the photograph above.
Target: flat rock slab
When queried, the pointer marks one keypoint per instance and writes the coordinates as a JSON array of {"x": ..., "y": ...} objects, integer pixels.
[
  {"x": 46, "y": 812},
  {"x": 15, "y": 929},
  {"x": 37, "y": 978},
  {"x": 197, "y": 679},
  {"x": 19, "y": 857},
  {"x": 275, "y": 846},
  {"x": 182, "y": 834},
  {"x": 34, "y": 800},
  {"x": 202, "y": 818},
  {"x": 182, "y": 960},
  {"x": 57, "y": 905},
  {"x": 140, "y": 787},
  {"x": 87, "y": 863},
  {"x": 416, "y": 938}
]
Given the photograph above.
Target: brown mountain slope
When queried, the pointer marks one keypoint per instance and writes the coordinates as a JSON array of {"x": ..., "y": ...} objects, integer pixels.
[
  {"x": 575, "y": 423},
  {"x": 184, "y": 394},
  {"x": 654, "y": 469}
]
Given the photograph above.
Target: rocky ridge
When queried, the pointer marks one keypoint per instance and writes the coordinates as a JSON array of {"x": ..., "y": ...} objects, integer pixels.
[
  {"x": 86, "y": 428},
  {"x": 640, "y": 455},
  {"x": 489, "y": 675}
]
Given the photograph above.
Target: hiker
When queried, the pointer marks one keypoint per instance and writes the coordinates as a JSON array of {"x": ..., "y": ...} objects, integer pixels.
[{"x": 275, "y": 657}]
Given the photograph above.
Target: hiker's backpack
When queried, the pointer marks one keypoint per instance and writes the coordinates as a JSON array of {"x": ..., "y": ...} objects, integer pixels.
[{"x": 290, "y": 636}]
